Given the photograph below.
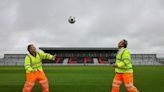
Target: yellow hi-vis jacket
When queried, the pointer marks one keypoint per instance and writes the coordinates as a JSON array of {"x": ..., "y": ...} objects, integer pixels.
[
  {"x": 123, "y": 61},
  {"x": 35, "y": 63}
]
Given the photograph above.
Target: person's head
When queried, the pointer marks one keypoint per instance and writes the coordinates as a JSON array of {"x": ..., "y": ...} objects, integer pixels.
[
  {"x": 31, "y": 48},
  {"x": 123, "y": 43}
]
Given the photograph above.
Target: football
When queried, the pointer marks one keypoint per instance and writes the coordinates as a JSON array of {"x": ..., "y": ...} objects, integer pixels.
[{"x": 71, "y": 20}]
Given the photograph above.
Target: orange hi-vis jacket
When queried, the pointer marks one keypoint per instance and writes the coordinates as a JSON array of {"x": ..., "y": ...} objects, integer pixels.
[
  {"x": 35, "y": 63},
  {"x": 123, "y": 60}
]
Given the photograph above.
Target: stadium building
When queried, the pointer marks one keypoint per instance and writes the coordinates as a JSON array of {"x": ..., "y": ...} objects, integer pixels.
[{"x": 82, "y": 56}]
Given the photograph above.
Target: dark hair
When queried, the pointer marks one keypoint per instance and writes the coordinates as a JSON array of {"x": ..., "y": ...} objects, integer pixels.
[
  {"x": 125, "y": 43},
  {"x": 28, "y": 47}
]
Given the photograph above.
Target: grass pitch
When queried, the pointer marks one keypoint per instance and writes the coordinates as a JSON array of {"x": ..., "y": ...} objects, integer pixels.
[{"x": 82, "y": 78}]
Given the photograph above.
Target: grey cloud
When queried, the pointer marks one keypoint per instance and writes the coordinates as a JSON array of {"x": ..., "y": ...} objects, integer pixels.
[{"x": 99, "y": 24}]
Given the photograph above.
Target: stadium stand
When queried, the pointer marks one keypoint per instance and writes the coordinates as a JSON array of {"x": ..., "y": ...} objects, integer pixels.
[
  {"x": 76, "y": 60},
  {"x": 88, "y": 60},
  {"x": 65, "y": 61},
  {"x": 14, "y": 59},
  {"x": 83, "y": 56},
  {"x": 59, "y": 60},
  {"x": 1, "y": 61},
  {"x": 72, "y": 60},
  {"x": 161, "y": 60},
  {"x": 95, "y": 60},
  {"x": 144, "y": 59},
  {"x": 103, "y": 60},
  {"x": 80, "y": 60}
]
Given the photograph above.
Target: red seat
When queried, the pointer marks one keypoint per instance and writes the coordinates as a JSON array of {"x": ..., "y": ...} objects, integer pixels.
[
  {"x": 87, "y": 60},
  {"x": 72, "y": 60},
  {"x": 103, "y": 60}
]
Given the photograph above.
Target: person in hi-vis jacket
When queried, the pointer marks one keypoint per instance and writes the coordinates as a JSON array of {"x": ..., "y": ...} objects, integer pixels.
[
  {"x": 123, "y": 69},
  {"x": 34, "y": 70}
]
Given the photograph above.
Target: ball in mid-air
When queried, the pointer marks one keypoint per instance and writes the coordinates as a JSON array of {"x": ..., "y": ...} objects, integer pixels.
[{"x": 71, "y": 20}]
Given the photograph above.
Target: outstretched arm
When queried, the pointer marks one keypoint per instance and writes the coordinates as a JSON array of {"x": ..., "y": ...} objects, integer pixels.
[{"x": 47, "y": 55}]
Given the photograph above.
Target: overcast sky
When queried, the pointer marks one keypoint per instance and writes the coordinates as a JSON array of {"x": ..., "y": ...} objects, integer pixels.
[{"x": 100, "y": 23}]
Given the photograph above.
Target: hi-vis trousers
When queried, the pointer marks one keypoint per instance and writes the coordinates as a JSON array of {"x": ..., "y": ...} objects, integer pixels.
[
  {"x": 127, "y": 78},
  {"x": 30, "y": 81}
]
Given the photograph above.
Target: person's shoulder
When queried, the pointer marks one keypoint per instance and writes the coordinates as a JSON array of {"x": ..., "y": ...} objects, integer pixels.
[
  {"x": 127, "y": 50},
  {"x": 27, "y": 55},
  {"x": 40, "y": 51}
]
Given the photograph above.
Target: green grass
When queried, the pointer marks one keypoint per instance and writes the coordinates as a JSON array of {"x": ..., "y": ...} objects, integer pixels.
[{"x": 82, "y": 78}]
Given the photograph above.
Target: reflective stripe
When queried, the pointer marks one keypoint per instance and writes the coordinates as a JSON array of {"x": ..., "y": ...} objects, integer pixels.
[
  {"x": 28, "y": 67},
  {"x": 118, "y": 81},
  {"x": 124, "y": 68},
  {"x": 42, "y": 81},
  {"x": 45, "y": 85},
  {"x": 26, "y": 64},
  {"x": 45, "y": 90},
  {"x": 126, "y": 59},
  {"x": 46, "y": 55},
  {"x": 37, "y": 67},
  {"x": 116, "y": 85},
  {"x": 123, "y": 60},
  {"x": 36, "y": 63},
  {"x": 124, "y": 63},
  {"x": 28, "y": 88},
  {"x": 119, "y": 59},
  {"x": 130, "y": 88},
  {"x": 122, "y": 53},
  {"x": 29, "y": 82},
  {"x": 39, "y": 56},
  {"x": 128, "y": 85}
]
